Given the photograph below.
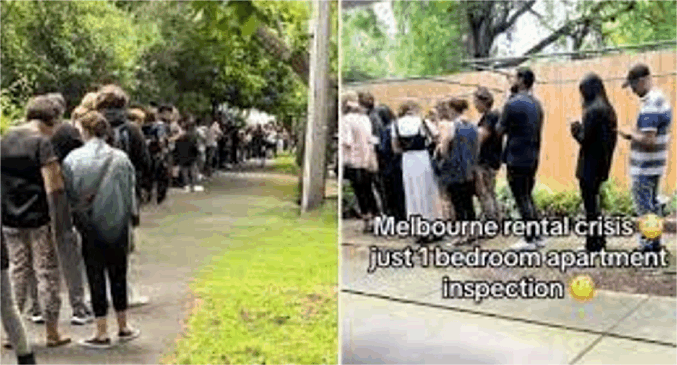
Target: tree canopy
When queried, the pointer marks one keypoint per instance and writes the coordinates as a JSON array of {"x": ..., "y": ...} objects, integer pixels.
[
  {"x": 431, "y": 37},
  {"x": 196, "y": 55}
]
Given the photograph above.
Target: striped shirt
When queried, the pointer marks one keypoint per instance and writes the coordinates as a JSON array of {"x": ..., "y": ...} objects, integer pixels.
[{"x": 655, "y": 115}]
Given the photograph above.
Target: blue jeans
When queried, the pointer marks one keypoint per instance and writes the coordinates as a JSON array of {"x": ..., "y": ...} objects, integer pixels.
[{"x": 645, "y": 197}]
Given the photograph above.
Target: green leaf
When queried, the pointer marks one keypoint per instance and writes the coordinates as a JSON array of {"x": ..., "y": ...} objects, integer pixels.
[{"x": 250, "y": 26}]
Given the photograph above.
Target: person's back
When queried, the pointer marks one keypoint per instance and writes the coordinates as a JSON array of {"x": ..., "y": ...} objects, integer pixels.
[
  {"x": 187, "y": 148},
  {"x": 490, "y": 150},
  {"x": 462, "y": 153},
  {"x": 597, "y": 147},
  {"x": 113, "y": 206},
  {"x": 24, "y": 199},
  {"x": 522, "y": 121},
  {"x": 65, "y": 139}
]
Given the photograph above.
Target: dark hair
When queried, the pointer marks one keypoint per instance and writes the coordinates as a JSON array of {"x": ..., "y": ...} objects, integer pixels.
[
  {"x": 111, "y": 96},
  {"x": 385, "y": 113},
  {"x": 592, "y": 88},
  {"x": 95, "y": 124},
  {"x": 366, "y": 99},
  {"x": 42, "y": 108},
  {"x": 527, "y": 76},
  {"x": 459, "y": 105},
  {"x": 484, "y": 95},
  {"x": 59, "y": 100},
  {"x": 165, "y": 108},
  {"x": 407, "y": 107}
]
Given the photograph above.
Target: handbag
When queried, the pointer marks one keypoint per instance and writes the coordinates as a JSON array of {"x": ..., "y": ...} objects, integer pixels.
[{"x": 83, "y": 210}]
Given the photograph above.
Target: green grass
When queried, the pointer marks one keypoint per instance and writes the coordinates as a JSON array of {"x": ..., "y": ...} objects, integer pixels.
[
  {"x": 271, "y": 298},
  {"x": 285, "y": 163}
]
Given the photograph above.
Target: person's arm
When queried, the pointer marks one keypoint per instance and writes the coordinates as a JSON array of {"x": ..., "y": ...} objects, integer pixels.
[
  {"x": 446, "y": 136},
  {"x": 583, "y": 132},
  {"x": 504, "y": 120},
  {"x": 140, "y": 150},
  {"x": 59, "y": 209},
  {"x": 394, "y": 140}
]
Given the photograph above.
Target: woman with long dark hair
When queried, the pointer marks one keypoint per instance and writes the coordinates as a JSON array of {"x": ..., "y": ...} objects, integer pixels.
[{"x": 597, "y": 136}]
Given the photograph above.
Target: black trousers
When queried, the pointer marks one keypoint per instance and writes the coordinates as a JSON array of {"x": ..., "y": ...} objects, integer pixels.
[
  {"x": 590, "y": 195},
  {"x": 187, "y": 175},
  {"x": 461, "y": 197},
  {"x": 393, "y": 195},
  {"x": 521, "y": 181},
  {"x": 105, "y": 260},
  {"x": 361, "y": 181}
]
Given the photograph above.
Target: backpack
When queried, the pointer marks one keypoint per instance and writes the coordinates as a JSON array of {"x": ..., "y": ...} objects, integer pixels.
[{"x": 121, "y": 138}]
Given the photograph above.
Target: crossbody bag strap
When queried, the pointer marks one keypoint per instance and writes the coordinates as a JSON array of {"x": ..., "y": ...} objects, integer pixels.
[{"x": 87, "y": 198}]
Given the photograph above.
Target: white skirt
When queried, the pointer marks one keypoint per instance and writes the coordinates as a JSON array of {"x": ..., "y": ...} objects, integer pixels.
[{"x": 422, "y": 195}]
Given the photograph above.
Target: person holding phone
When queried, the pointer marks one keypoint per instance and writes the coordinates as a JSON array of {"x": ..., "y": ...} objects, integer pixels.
[
  {"x": 648, "y": 145},
  {"x": 596, "y": 135}
]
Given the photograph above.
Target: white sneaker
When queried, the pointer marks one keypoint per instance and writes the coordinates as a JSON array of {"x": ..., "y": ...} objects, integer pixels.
[
  {"x": 540, "y": 242},
  {"x": 523, "y": 245},
  {"x": 199, "y": 188},
  {"x": 186, "y": 189},
  {"x": 81, "y": 319},
  {"x": 138, "y": 301}
]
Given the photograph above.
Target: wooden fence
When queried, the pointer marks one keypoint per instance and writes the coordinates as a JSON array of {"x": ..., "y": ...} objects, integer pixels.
[{"x": 557, "y": 89}]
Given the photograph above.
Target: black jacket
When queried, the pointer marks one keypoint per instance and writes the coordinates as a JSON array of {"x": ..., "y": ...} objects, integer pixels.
[
  {"x": 597, "y": 138},
  {"x": 137, "y": 150}
]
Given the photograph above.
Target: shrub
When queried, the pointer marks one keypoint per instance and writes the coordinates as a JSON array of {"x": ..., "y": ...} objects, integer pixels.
[
  {"x": 615, "y": 200},
  {"x": 349, "y": 201}
]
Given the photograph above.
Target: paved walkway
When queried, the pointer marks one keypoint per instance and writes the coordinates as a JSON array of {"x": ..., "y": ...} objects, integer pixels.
[
  {"x": 170, "y": 251},
  {"x": 399, "y": 316}
]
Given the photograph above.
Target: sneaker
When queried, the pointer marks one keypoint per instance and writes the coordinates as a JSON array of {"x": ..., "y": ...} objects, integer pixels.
[
  {"x": 81, "y": 319},
  {"x": 128, "y": 335},
  {"x": 137, "y": 301},
  {"x": 95, "y": 343},
  {"x": 540, "y": 242},
  {"x": 186, "y": 189},
  {"x": 37, "y": 318},
  {"x": 523, "y": 245},
  {"x": 199, "y": 188}
]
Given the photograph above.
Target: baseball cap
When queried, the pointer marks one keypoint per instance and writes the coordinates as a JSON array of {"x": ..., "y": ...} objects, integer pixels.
[{"x": 637, "y": 71}]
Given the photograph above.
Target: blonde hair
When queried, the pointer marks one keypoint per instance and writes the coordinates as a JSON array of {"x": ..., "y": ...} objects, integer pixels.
[
  {"x": 78, "y": 112},
  {"x": 89, "y": 101}
]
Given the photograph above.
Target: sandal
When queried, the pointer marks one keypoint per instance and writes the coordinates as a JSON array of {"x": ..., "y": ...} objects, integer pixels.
[
  {"x": 97, "y": 343},
  {"x": 128, "y": 335},
  {"x": 60, "y": 342}
]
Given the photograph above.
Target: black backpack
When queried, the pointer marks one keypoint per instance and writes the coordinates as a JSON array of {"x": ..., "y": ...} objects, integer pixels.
[{"x": 120, "y": 138}]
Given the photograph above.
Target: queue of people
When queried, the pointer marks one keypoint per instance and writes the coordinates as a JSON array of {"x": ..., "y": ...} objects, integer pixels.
[{"x": 432, "y": 166}]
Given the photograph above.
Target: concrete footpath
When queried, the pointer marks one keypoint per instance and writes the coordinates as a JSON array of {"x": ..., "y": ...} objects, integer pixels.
[
  {"x": 171, "y": 250},
  {"x": 399, "y": 316}
]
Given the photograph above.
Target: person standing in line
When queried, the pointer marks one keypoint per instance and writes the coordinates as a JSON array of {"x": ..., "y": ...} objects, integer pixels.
[
  {"x": 213, "y": 135},
  {"x": 596, "y": 135},
  {"x": 186, "y": 148},
  {"x": 648, "y": 146},
  {"x": 201, "y": 134},
  {"x": 366, "y": 100},
  {"x": 111, "y": 102},
  {"x": 421, "y": 189},
  {"x": 359, "y": 156},
  {"x": 390, "y": 167},
  {"x": 65, "y": 139},
  {"x": 35, "y": 213},
  {"x": 100, "y": 184},
  {"x": 11, "y": 319},
  {"x": 457, "y": 152},
  {"x": 522, "y": 123},
  {"x": 489, "y": 159}
]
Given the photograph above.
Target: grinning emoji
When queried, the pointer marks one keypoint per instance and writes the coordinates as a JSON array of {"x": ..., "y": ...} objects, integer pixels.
[
  {"x": 582, "y": 288},
  {"x": 651, "y": 226}
]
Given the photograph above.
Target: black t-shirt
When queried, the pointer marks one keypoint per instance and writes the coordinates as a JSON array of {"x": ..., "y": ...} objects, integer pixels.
[
  {"x": 490, "y": 150},
  {"x": 24, "y": 200}
]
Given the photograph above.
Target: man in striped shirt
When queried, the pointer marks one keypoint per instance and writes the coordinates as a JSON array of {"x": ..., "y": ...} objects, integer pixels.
[{"x": 649, "y": 145}]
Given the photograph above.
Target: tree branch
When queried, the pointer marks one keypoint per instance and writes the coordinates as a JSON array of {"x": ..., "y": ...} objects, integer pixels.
[
  {"x": 512, "y": 19},
  {"x": 566, "y": 29}
]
